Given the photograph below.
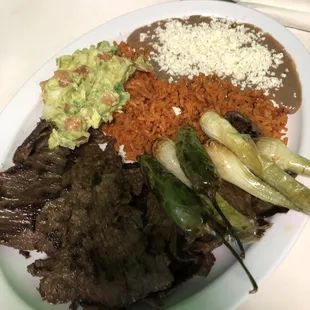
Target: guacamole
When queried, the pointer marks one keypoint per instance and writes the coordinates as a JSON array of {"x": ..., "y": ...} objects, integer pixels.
[{"x": 86, "y": 89}]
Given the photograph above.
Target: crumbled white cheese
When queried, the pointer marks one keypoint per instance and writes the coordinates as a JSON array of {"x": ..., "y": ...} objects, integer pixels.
[
  {"x": 295, "y": 95},
  {"x": 103, "y": 146},
  {"x": 287, "y": 70},
  {"x": 215, "y": 47},
  {"x": 171, "y": 80},
  {"x": 275, "y": 104},
  {"x": 143, "y": 36},
  {"x": 177, "y": 111}
]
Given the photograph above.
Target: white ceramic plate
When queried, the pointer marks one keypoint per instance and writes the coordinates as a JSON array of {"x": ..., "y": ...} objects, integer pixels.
[{"x": 227, "y": 285}]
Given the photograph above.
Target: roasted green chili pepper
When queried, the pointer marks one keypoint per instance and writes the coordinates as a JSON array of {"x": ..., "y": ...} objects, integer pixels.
[
  {"x": 199, "y": 169},
  {"x": 179, "y": 201}
]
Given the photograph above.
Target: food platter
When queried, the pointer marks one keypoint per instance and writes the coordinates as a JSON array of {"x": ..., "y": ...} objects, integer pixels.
[{"x": 226, "y": 286}]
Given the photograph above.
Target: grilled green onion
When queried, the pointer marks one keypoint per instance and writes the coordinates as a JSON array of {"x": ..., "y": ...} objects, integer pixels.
[
  {"x": 286, "y": 159},
  {"x": 231, "y": 169},
  {"x": 245, "y": 149}
]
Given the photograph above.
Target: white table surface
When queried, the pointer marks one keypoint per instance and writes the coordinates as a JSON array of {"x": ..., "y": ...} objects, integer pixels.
[{"x": 32, "y": 31}]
